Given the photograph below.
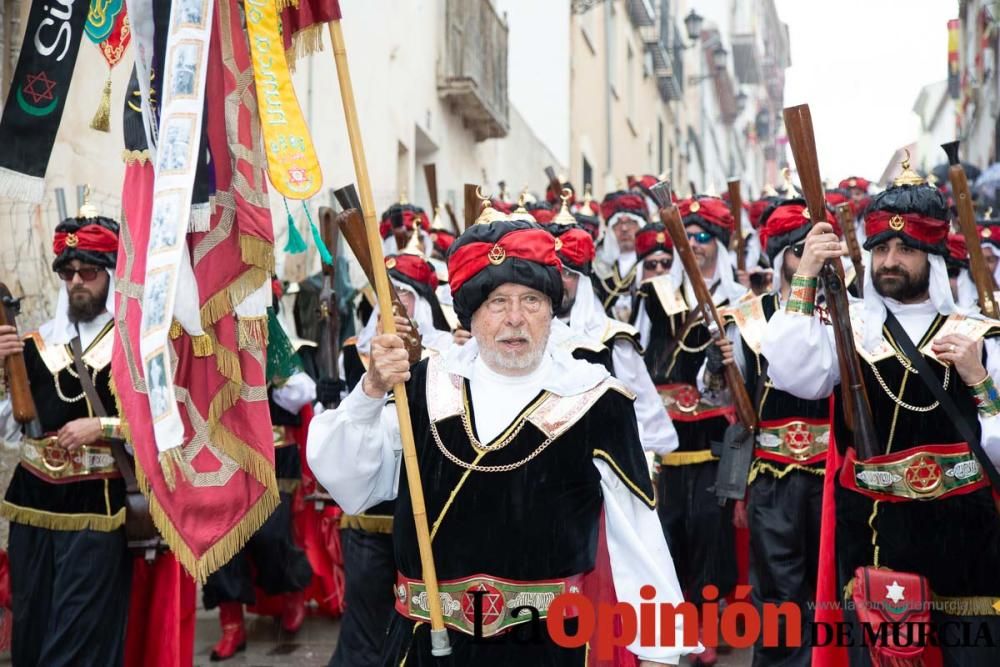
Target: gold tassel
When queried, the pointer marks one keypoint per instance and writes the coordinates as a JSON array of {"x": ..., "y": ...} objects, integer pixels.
[
  {"x": 305, "y": 43},
  {"x": 285, "y": 4},
  {"x": 202, "y": 345},
  {"x": 175, "y": 330},
  {"x": 252, "y": 332},
  {"x": 102, "y": 119},
  {"x": 169, "y": 459}
]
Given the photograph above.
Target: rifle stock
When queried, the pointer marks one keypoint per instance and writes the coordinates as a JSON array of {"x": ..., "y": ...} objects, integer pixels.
[
  {"x": 329, "y": 315},
  {"x": 736, "y": 208},
  {"x": 671, "y": 219},
  {"x": 451, "y": 216},
  {"x": 430, "y": 174},
  {"x": 967, "y": 223},
  {"x": 846, "y": 218},
  {"x": 471, "y": 205},
  {"x": 554, "y": 183},
  {"x": 857, "y": 409},
  {"x": 22, "y": 404},
  {"x": 352, "y": 228}
]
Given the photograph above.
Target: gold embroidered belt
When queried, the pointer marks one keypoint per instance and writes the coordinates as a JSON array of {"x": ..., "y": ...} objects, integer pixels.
[
  {"x": 280, "y": 437},
  {"x": 498, "y": 600},
  {"x": 686, "y": 458},
  {"x": 802, "y": 441},
  {"x": 927, "y": 473},
  {"x": 684, "y": 403},
  {"x": 46, "y": 459}
]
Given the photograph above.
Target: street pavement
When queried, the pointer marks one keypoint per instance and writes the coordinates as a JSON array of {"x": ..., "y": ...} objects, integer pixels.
[{"x": 313, "y": 645}]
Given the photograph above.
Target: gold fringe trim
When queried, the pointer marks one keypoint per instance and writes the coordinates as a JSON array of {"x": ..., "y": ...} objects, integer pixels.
[
  {"x": 202, "y": 345},
  {"x": 304, "y": 44},
  {"x": 252, "y": 332},
  {"x": 766, "y": 466},
  {"x": 170, "y": 459},
  {"x": 289, "y": 485},
  {"x": 282, "y": 5},
  {"x": 57, "y": 521},
  {"x": 688, "y": 458},
  {"x": 228, "y": 363},
  {"x": 224, "y": 399},
  {"x": 176, "y": 330},
  {"x": 224, "y": 302},
  {"x": 222, "y": 551},
  {"x": 246, "y": 457},
  {"x": 131, "y": 157},
  {"x": 255, "y": 251},
  {"x": 369, "y": 524}
]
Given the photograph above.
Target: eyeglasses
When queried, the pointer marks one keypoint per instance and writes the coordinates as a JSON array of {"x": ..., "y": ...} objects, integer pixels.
[
  {"x": 651, "y": 264},
  {"x": 87, "y": 273},
  {"x": 530, "y": 303},
  {"x": 699, "y": 237},
  {"x": 798, "y": 249}
]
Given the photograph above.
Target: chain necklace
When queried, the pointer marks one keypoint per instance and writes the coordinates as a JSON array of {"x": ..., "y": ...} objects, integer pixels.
[
  {"x": 63, "y": 396},
  {"x": 489, "y": 448},
  {"x": 478, "y": 468},
  {"x": 898, "y": 399}
]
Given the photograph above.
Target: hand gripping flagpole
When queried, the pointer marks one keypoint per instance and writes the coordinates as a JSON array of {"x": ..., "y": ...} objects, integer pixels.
[{"x": 439, "y": 636}]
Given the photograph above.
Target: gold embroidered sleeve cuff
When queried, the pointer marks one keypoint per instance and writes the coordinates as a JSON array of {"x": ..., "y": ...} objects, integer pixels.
[
  {"x": 802, "y": 299},
  {"x": 111, "y": 428},
  {"x": 987, "y": 397}
]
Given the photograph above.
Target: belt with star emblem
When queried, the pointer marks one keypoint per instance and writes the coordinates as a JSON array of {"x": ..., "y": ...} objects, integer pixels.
[
  {"x": 501, "y": 600},
  {"x": 802, "y": 441},
  {"x": 46, "y": 459},
  {"x": 928, "y": 472}
]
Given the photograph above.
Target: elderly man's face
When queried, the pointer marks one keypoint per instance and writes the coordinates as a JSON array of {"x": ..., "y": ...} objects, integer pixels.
[
  {"x": 625, "y": 231},
  {"x": 512, "y": 328}
]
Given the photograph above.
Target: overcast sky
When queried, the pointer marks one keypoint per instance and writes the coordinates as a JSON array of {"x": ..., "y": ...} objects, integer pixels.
[{"x": 860, "y": 65}]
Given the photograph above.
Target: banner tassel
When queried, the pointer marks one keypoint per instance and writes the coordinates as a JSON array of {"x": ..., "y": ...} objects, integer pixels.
[
  {"x": 324, "y": 252},
  {"x": 296, "y": 244},
  {"x": 102, "y": 119}
]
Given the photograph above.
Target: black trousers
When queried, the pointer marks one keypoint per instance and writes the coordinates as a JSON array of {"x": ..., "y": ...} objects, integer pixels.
[
  {"x": 281, "y": 566},
  {"x": 70, "y": 594},
  {"x": 369, "y": 574},
  {"x": 784, "y": 519},
  {"x": 699, "y": 532}
]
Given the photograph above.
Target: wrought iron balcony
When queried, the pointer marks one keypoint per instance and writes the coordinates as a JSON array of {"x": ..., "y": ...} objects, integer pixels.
[{"x": 473, "y": 72}]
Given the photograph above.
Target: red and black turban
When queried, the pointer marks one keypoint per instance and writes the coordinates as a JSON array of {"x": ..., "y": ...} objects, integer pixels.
[
  {"x": 91, "y": 240},
  {"x": 442, "y": 240},
  {"x": 574, "y": 247},
  {"x": 710, "y": 213},
  {"x": 958, "y": 252},
  {"x": 487, "y": 256},
  {"x": 785, "y": 224},
  {"x": 854, "y": 182},
  {"x": 621, "y": 204},
  {"x": 652, "y": 238},
  {"x": 916, "y": 214},
  {"x": 403, "y": 215}
]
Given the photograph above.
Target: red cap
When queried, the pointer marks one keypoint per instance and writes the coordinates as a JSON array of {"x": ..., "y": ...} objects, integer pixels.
[
  {"x": 89, "y": 237},
  {"x": 651, "y": 238}
]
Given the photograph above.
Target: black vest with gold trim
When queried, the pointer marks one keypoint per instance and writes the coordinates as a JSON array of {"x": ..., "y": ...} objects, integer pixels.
[
  {"x": 615, "y": 285},
  {"x": 953, "y": 540},
  {"x": 794, "y": 432},
  {"x": 529, "y": 509},
  {"x": 51, "y": 488}
]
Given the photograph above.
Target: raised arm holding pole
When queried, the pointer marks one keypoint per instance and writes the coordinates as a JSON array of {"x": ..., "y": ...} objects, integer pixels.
[{"x": 439, "y": 636}]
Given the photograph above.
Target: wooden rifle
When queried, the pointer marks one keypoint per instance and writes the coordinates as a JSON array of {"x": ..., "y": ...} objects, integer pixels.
[
  {"x": 845, "y": 216},
  {"x": 736, "y": 208},
  {"x": 22, "y": 403},
  {"x": 967, "y": 223},
  {"x": 737, "y": 447},
  {"x": 430, "y": 174},
  {"x": 329, "y": 313},
  {"x": 857, "y": 409},
  {"x": 351, "y": 224},
  {"x": 471, "y": 204}
]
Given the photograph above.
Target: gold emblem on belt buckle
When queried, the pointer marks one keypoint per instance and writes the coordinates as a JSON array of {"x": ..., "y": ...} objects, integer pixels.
[
  {"x": 923, "y": 475},
  {"x": 55, "y": 458},
  {"x": 799, "y": 440}
]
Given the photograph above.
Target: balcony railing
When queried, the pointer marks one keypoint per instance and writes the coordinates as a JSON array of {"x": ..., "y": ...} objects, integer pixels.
[
  {"x": 641, "y": 13},
  {"x": 473, "y": 74},
  {"x": 666, "y": 64}
]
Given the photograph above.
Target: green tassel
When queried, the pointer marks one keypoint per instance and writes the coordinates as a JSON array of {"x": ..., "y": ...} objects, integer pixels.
[
  {"x": 324, "y": 252},
  {"x": 282, "y": 360},
  {"x": 296, "y": 244}
]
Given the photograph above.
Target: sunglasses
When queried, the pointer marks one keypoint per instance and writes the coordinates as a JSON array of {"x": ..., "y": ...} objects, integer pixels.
[
  {"x": 699, "y": 237},
  {"x": 651, "y": 264},
  {"x": 798, "y": 249},
  {"x": 87, "y": 273}
]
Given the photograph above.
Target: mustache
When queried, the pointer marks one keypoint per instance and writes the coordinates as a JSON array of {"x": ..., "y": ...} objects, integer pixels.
[
  {"x": 514, "y": 335},
  {"x": 892, "y": 272}
]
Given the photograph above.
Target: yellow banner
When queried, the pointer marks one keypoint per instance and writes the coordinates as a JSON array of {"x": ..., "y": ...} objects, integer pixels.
[{"x": 291, "y": 159}]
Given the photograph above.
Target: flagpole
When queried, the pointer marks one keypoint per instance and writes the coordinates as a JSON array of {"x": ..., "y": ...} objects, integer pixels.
[{"x": 439, "y": 636}]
